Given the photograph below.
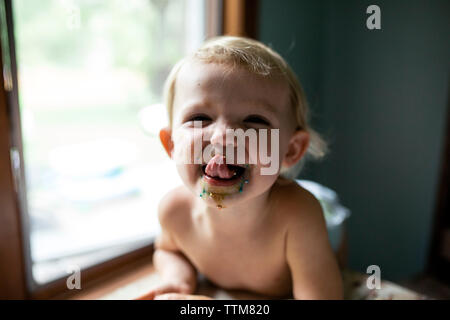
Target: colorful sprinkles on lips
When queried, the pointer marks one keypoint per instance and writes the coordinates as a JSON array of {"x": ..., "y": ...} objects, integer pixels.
[{"x": 217, "y": 197}]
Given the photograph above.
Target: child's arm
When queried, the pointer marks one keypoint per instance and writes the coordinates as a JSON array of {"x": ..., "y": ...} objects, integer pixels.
[
  {"x": 315, "y": 272},
  {"x": 178, "y": 277},
  {"x": 176, "y": 272}
]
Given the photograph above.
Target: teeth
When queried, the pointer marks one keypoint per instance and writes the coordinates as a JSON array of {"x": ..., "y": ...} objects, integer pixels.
[{"x": 237, "y": 170}]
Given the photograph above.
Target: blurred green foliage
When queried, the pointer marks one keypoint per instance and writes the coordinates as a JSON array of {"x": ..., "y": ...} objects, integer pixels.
[
  {"x": 143, "y": 36},
  {"x": 86, "y": 68}
]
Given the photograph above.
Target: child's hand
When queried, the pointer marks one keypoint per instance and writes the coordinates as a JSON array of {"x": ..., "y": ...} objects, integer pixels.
[
  {"x": 167, "y": 288},
  {"x": 180, "y": 296}
]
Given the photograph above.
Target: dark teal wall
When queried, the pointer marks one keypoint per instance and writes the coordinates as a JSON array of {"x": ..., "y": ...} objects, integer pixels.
[
  {"x": 380, "y": 97},
  {"x": 294, "y": 29}
]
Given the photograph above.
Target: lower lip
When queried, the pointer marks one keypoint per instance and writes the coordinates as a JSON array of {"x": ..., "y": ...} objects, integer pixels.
[{"x": 220, "y": 182}]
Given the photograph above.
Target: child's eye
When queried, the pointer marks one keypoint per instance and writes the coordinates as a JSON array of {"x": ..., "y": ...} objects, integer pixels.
[
  {"x": 199, "y": 117},
  {"x": 254, "y": 119}
]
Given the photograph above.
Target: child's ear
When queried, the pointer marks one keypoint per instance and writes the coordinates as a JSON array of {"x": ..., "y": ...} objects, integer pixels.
[
  {"x": 298, "y": 145},
  {"x": 165, "y": 135}
]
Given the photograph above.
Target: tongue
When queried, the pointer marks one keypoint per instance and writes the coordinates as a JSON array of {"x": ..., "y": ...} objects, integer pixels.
[{"x": 217, "y": 168}]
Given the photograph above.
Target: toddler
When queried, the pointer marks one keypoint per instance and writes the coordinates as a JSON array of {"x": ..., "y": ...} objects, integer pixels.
[{"x": 238, "y": 123}]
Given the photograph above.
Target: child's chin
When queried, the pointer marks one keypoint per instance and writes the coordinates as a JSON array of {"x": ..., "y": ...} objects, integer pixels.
[
  {"x": 212, "y": 188},
  {"x": 221, "y": 196},
  {"x": 223, "y": 201}
]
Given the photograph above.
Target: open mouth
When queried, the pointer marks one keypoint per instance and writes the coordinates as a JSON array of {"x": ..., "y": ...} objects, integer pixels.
[{"x": 227, "y": 175}]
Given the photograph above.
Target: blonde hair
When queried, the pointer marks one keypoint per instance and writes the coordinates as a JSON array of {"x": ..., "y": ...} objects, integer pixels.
[{"x": 261, "y": 60}]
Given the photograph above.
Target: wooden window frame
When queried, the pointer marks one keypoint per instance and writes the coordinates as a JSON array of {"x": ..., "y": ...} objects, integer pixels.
[
  {"x": 240, "y": 18},
  {"x": 230, "y": 17},
  {"x": 439, "y": 259},
  {"x": 13, "y": 251}
]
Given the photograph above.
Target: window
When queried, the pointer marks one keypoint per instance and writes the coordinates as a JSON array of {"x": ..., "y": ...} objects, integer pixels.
[{"x": 90, "y": 75}]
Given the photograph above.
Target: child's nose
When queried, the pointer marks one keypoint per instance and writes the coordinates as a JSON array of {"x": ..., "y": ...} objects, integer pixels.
[{"x": 219, "y": 135}]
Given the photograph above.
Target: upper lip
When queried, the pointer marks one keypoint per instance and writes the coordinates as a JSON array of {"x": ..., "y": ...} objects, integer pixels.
[
  {"x": 231, "y": 164},
  {"x": 243, "y": 166}
]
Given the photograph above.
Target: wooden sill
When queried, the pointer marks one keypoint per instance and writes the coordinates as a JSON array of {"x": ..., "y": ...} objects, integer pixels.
[
  {"x": 136, "y": 279},
  {"x": 117, "y": 283}
]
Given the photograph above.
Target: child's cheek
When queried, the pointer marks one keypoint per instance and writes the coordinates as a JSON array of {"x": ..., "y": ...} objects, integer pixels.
[
  {"x": 189, "y": 174},
  {"x": 185, "y": 151},
  {"x": 269, "y": 151}
]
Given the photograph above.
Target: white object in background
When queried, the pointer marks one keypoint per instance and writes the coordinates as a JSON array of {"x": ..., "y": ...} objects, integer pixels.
[
  {"x": 335, "y": 213},
  {"x": 153, "y": 118},
  {"x": 93, "y": 158}
]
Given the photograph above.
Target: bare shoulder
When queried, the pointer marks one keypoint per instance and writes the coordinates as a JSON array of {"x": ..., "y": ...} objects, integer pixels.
[
  {"x": 313, "y": 266},
  {"x": 302, "y": 216},
  {"x": 172, "y": 210},
  {"x": 175, "y": 203},
  {"x": 296, "y": 205}
]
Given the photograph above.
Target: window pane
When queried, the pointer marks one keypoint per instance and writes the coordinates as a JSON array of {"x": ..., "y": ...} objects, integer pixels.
[{"x": 90, "y": 90}]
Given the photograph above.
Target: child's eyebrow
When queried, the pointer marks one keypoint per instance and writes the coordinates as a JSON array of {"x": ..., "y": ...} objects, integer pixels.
[
  {"x": 196, "y": 105},
  {"x": 191, "y": 106},
  {"x": 254, "y": 103},
  {"x": 263, "y": 104}
]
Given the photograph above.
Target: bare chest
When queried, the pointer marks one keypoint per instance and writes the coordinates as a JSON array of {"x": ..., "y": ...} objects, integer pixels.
[{"x": 236, "y": 259}]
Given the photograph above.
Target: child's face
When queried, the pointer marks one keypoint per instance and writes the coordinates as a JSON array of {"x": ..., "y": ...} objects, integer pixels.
[{"x": 227, "y": 99}]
